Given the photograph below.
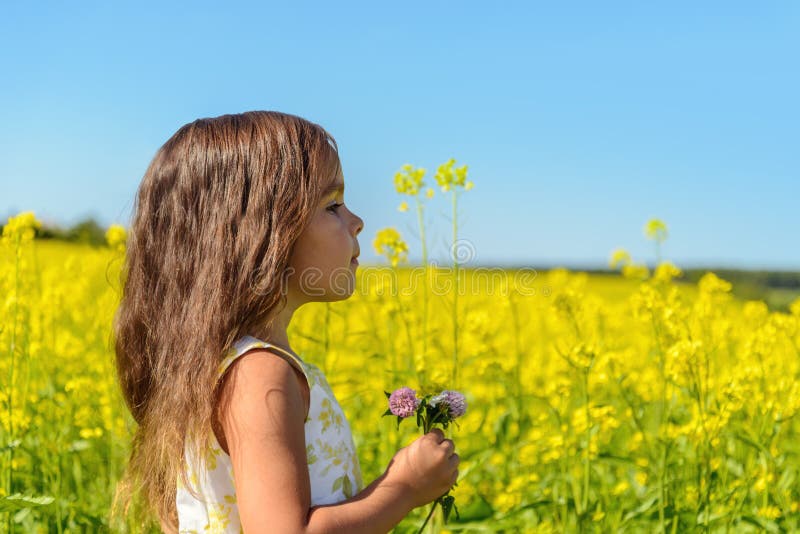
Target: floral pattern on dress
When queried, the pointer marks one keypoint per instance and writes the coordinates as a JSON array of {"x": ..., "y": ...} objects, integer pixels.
[{"x": 333, "y": 467}]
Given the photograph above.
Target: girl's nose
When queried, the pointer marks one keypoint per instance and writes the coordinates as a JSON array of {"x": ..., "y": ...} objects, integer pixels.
[{"x": 359, "y": 224}]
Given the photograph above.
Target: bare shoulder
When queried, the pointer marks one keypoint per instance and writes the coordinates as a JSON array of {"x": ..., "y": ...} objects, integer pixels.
[
  {"x": 263, "y": 421},
  {"x": 250, "y": 377},
  {"x": 262, "y": 370}
]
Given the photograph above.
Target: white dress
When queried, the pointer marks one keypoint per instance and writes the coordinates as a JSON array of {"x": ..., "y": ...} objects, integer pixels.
[{"x": 333, "y": 466}]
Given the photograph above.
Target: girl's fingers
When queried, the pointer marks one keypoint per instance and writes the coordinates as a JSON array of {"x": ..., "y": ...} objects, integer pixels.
[
  {"x": 449, "y": 445},
  {"x": 438, "y": 434},
  {"x": 454, "y": 460}
]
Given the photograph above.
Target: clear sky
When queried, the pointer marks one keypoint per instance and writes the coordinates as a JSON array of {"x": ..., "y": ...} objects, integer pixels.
[{"x": 578, "y": 120}]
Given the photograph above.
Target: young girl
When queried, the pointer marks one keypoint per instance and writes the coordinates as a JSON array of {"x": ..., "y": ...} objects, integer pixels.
[{"x": 239, "y": 221}]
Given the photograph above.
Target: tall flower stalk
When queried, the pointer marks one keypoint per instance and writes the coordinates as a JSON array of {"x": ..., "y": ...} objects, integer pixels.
[
  {"x": 389, "y": 243},
  {"x": 410, "y": 181},
  {"x": 656, "y": 230},
  {"x": 450, "y": 180}
]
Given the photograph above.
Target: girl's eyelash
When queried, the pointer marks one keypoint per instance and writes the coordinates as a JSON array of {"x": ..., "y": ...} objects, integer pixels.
[{"x": 333, "y": 207}]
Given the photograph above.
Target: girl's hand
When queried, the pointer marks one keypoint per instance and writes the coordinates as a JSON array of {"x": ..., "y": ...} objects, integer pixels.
[{"x": 427, "y": 468}]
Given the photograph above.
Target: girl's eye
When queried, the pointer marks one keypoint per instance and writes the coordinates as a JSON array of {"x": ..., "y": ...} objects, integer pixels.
[{"x": 334, "y": 207}]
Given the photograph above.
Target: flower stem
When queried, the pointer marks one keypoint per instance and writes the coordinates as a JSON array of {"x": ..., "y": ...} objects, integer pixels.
[
  {"x": 12, "y": 353},
  {"x": 429, "y": 516},
  {"x": 587, "y": 459},
  {"x": 455, "y": 253},
  {"x": 326, "y": 336},
  {"x": 421, "y": 222}
]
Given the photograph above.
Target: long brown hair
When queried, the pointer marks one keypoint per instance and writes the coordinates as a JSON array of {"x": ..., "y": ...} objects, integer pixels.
[{"x": 215, "y": 218}]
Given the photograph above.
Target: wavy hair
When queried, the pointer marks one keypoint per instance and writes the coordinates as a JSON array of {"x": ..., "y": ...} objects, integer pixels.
[{"x": 215, "y": 219}]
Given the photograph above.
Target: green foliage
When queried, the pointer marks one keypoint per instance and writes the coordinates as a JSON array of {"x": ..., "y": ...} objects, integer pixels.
[{"x": 87, "y": 231}]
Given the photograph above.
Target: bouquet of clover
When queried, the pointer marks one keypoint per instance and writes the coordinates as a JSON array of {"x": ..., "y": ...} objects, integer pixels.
[{"x": 441, "y": 409}]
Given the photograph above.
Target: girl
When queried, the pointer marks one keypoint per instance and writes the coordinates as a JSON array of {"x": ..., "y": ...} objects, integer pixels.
[{"x": 239, "y": 221}]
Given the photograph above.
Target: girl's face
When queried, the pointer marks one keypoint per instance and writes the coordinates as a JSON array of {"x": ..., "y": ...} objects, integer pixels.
[{"x": 322, "y": 264}]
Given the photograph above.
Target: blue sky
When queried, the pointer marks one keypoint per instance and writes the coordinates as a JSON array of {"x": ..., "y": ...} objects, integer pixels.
[{"x": 579, "y": 121}]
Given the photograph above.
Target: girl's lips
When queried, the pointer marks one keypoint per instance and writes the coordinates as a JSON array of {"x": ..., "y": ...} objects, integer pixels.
[{"x": 354, "y": 261}]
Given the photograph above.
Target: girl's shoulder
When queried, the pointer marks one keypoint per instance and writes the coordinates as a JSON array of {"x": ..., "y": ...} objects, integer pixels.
[{"x": 247, "y": 342}]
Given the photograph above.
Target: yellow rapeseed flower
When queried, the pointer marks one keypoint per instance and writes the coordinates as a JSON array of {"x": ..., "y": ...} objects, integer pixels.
[
  {"x": 656, "y": 230},
  {"x": 390, "y": 244},
  {"x": 666, "y": 271},
  {"x": 635, "y": 271},
  {"x": 408, "y": 181},
  {"x": 619, "y": 256},
  {"x": 794, "y": 307},
  {"x": 711, "y": 283},
  {"x": 620, "y": 488},
  {"x": 755, "y": 311},
  {"x": 461, "y": 175},
  {"x": 88, "y": 433},
  {"x": 116, "y": 236},
  {"x": 447, "y": 177},
  {"x": 769, "y": 512},
  {"x": 22, "y": 226}
]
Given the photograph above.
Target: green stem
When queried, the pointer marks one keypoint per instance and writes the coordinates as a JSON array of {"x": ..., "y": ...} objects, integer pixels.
[
  {"x": 326, "y": 336},
  {"x": 421, "y": 222},
  {"x": 661, "y": 492},
  {"x": 412, "y": 366},
  {"x": 521, "y": 420},
  {"x": 663, "y": 415},
  {"x": 429, "y": 517},
  {"x": 587, "y": 459},
  {"x": 427, "y": 425},
  {"x": 455, "y": 297},
  {"x": 12, "y": 350}
]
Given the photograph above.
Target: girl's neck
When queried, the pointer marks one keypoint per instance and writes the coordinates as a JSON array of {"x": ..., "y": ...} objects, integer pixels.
[{"x": 276, "y": 332}]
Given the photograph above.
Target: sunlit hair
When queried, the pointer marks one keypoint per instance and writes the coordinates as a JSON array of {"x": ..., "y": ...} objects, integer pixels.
[{"x": 215, "y": 219}]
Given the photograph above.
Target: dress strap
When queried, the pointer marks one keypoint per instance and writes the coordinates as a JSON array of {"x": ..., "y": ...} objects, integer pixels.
[{"x": 247, "y": 343}]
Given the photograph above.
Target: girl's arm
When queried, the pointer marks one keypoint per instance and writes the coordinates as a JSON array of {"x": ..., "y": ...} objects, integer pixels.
[
  {"x": 377, "y": 508},
  {"x": 262, "y": 420}
]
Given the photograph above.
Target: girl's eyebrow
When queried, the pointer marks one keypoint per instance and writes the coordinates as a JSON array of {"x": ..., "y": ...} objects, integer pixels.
[{"x": 333, "y": 188}]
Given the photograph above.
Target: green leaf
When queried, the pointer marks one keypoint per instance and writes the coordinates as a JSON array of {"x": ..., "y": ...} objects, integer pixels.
[
  {"x": 388, "y": 411},
  {"x": 347, "y": 488},
  {"x": 644, "y": 507},
  {"x": 477, "y": 509},
  {"x": 769, "y": 526},
  {"x": 447, "y": 506},
  {"x": 20, "y": 516},
  {"x": 753, "y": 443},
  {"x": 13, "y": 444},
  {"x": 79, "y": 445},
  {"x": 18, "y": 501},
  {"x": 387, "y": 394}
]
